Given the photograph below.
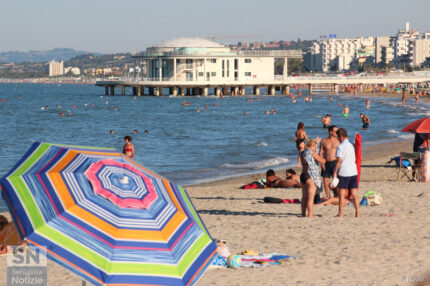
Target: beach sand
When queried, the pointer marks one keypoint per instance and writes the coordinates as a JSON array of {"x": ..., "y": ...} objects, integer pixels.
[{"x": 388, "y": 245}]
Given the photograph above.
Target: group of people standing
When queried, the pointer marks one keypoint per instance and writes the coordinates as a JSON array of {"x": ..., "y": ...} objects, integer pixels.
[{"x": 333, "y": 157}]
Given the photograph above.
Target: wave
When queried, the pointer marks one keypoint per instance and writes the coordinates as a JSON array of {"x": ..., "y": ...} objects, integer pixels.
[
  {"x": 392, "y": 131},
  {"x": 406, "y": 136},
  {"x": 255, "y": 165},
  {"x": 262, "y": 143}
]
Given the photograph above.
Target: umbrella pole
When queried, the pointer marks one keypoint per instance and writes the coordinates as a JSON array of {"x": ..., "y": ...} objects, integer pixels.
[{"x": 426, "y": 141}]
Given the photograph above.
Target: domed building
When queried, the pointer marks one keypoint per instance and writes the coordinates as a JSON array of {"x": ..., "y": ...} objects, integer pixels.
[
  {"x": 203, "y": 62},
  {"x": 200, "y": 67}
]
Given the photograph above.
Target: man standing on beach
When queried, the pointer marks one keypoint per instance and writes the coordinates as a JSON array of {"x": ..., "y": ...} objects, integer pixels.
[
  {"x": 346, "y": 171},
  {"x": 328, "y": 152}
]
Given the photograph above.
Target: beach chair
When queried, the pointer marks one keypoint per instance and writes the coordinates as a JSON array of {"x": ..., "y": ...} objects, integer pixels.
[{"x": 410, "y": 171}]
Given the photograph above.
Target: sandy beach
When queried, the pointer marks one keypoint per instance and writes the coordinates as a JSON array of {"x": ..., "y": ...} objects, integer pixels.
[{"x": 388, "y": 245}]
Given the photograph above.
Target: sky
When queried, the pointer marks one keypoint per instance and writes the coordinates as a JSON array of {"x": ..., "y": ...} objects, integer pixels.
[{"x": 108, "y": 26}]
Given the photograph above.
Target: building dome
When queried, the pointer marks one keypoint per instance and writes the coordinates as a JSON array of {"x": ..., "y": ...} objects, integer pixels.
[{"x": 189, "y": 43}]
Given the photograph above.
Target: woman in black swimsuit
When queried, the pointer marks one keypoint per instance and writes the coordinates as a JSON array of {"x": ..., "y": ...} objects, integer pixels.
[{"x": 300, "y": 138}]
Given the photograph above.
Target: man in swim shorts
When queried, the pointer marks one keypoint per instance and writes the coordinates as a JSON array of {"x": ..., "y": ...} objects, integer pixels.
[
  {"x": 346, "y": 170},
  {"x": 366, "y": 121},
  {"x": 328, "y": 152},
  {"x": 326, "y": 121}
]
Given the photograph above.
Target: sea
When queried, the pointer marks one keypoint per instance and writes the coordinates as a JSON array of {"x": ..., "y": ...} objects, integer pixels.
[{"x": 182, "y": 144}]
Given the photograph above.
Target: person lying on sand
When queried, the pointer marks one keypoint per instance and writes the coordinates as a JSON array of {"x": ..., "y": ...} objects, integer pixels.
[
  {"x": 273, "y": 181},
  {"x": 334, "y": 201}
]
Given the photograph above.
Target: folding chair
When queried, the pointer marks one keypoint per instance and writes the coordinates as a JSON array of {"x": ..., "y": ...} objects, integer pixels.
[{"x": 412, "y": 172}]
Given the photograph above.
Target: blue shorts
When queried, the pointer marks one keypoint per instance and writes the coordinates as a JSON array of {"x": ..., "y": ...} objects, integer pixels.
[
  {"x": 348, "y": 182},
  {"x": 329, "y": 169}
]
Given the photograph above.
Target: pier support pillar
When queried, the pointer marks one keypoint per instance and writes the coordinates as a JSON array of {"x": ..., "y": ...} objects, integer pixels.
[
  {"x": 271, "y": 90},
  {"x": 139, "y": 90},
  {"x": 173, "y": 91},
  {"x": 360, "y": 87},
  {"x": 285, "y": 89},
  {"x": 151, "y": 90},
  {"x": 242, "y": 90},
  {"x": 217, "y": 91},
  {"x": 106, "y": 90},
  {"x": 336, "y": 89},
  {"x": 235, "y": 90},
  {"x": 181, "y": 91},
  {"x": 205, "y": 91},
  {"x": 123, "y": 90},
  {"x": 310, "y": 88},
  {"x": 256, "y": 90},
  {"x": 159, "y": 91},
  {"x": 112, "y": 90},
  {"x": 134, "y": 90},
  {"x": 187, "y": 91}
]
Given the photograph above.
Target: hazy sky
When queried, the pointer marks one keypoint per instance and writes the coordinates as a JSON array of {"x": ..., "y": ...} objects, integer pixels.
[{"x": 132, "y": 25}]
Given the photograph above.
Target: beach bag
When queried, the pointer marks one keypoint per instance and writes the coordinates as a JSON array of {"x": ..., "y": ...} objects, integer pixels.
[
  {"x": 254, "y": 185},
  {"x": 405, "y": 162},
  {"x": 372, "y": 198}
]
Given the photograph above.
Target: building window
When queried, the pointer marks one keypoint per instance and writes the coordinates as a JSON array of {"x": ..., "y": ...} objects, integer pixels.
[
  {"x": 200, "y": 73},
  {"x": 213, "y": 73},
  {"x": 236, "y": 64},
  {"x": 247, "y": 73},
  {"x": 247, "y": 61},
  {"x": 213, "y": 61},
  {"x": 189, "y": 63}
]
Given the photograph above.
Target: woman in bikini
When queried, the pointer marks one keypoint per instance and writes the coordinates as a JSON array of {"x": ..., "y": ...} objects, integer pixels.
[
  {"x": 273, "y": 181},
  {"x": 128, "y": 149},
  {"x": 300, "y": 138}
]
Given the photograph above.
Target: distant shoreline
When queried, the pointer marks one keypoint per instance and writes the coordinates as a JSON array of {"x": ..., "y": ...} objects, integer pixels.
[{"x": 48, "y": 81}]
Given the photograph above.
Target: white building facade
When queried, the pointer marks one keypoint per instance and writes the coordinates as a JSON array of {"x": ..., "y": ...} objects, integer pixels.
[
  {"x": 56, "y": 68},
  {"x": 72, "y": 70},
  {"x": 202, "y": 61},
  {"x": 337, "y": 54}
]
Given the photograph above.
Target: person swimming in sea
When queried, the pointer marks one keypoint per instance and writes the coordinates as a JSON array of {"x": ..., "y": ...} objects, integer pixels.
[
  {"x": 345, "y": 111},
  {"x": 300, "y": 138},
  {"x": 326, "y": 121},
  {"x": 128, "y": 148}
]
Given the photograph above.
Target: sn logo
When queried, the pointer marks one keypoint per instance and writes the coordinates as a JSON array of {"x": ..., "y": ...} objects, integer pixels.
[{"x": 25, "y": 256}]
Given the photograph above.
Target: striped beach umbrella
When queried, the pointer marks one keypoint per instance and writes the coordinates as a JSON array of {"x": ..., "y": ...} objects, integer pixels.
[{"x": 107, "y": 218}]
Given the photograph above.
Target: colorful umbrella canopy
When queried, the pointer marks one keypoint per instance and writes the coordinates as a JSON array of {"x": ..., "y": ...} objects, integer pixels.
[
  {"x": 418, "y": 126},
  {"x": 106, "y": 218}
]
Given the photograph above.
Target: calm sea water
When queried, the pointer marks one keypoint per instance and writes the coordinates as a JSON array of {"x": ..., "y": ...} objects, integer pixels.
[{"x": 185, "y": 145}]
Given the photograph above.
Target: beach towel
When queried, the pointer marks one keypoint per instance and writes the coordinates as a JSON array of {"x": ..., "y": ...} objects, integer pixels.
[
  {"x": 252, "y": 261},
  {"x": 271, "y": 200}
]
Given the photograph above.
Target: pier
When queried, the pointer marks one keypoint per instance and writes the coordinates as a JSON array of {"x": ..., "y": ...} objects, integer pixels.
[{"x": 139, "y": 87}]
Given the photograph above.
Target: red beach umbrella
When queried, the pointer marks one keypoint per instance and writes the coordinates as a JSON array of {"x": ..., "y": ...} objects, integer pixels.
[
  {"x": 421, "y": 126},
  {"x": 418, "y": 126}
]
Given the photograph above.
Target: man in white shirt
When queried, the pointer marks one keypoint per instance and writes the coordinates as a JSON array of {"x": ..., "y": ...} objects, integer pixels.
[{"x": 346, "y": 171}]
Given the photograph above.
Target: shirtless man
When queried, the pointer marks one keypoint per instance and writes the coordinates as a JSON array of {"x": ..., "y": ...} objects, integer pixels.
[
  {"x": 328, "y": 152},
  {"x": 326, "y": 121},
  {"x": 366, "y": 121},
  {"x": 345, "y": 111}
]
